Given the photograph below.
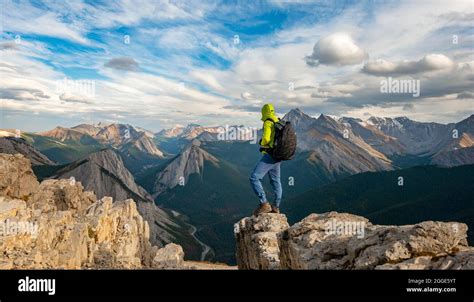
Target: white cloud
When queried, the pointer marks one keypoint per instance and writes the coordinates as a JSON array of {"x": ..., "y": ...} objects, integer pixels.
[
  {"x": 430, "y": 62},
  {"x": 336, "y": 49},
  {"x": 207, "y": 79},
  {"x": 71, "y": 20},
  {"x": 260, "y": 70},
  {"x": 20, "y": 18}
]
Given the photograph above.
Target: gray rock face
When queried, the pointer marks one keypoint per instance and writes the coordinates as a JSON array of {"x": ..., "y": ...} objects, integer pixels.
[
  {"x": 334, "y": 146},
  {"x": 92, "y": 173},
  {"x": 416, "y": 137},
  {"x": 12, "y": 145},
  {"x": 142, "y": 143},
  {"x": 373, "y": 136},
  {"x": 446, "y": 144},
  {"x": 345, "y": 241},
  {"x": 257, "y": 244},
  {"x": 190, "y": 161}
]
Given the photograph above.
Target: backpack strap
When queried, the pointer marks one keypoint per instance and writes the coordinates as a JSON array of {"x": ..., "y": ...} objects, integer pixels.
[{"x": 269, "y": 119}]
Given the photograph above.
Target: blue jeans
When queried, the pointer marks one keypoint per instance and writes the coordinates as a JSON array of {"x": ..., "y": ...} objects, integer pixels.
[{"x": 267, "y": 165}]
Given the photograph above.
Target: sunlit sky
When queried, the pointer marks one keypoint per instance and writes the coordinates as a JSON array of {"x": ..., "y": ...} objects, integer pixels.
[{"x": 155, "y": 64}]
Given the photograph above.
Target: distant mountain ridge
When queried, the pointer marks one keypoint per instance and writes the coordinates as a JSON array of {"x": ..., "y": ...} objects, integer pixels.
[
  {"x": 439, "y": 142},
  {"x": 356, "y": 145},
  {"x": 188, "y": 132},
  {"x": 334, "y": 146},
  {"x": 12, "y": 145},
  {"x": 120, "y": 136}
]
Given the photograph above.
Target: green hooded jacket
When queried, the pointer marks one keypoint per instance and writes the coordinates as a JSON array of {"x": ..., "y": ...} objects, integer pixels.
[{"x": 269, "y": 119}]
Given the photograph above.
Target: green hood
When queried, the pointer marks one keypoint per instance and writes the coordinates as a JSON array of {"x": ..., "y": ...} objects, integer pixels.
[{"x": 268, "y": 112}]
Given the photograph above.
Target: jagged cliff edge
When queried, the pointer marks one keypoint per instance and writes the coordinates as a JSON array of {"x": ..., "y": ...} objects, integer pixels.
[
  {"x": 344, "y": 241},
  {"x": 56, "y": 224}
]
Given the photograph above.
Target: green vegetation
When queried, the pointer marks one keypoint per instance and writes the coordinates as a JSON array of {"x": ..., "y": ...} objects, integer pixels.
[
  {"x": 428, "y": 193},
  {"x": 63, "y": 152},
  {"x": 214, "y": 201},
  {"x": 43, "y": 171},
  {"x": 170, "y": 145}
]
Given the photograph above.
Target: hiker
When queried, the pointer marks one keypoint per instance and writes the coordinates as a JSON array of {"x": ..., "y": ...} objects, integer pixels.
[{"x": 278, "y": 143}]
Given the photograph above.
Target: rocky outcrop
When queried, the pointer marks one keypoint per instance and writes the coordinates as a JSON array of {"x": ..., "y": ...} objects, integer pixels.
[
  {"x": 345, "y": 241},
  {"x": 257, "y": 243},
  {"x": 105, "y": 174},
  {"x": 16, "y": 177},
  {"x": 57, "y": 224}
]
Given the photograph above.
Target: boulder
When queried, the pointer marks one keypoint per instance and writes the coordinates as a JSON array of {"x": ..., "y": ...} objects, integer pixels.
[
  {"x": 16, "y": 177},
  {"x": 169, "y": 257},
  {"x": 344, "y": 241},
  {"x": 257, "y": 244}
]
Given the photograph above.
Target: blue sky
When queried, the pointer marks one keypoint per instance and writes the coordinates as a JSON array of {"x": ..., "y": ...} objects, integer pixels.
[{"x": 155, "y": 64}]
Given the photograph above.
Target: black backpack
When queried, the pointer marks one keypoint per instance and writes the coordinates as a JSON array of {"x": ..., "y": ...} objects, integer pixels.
[{"x": 284, "y": 146}]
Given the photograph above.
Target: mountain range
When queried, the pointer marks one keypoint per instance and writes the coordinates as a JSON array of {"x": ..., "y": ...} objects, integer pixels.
[
  {"x": 426, "y": 193},
  {"x": 199, "y": 182}
]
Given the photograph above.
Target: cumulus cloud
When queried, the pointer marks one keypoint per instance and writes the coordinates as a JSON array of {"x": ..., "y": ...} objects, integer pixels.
[
  {"x": 72, "y": 98},
  {"x": 23, "y": 94},
  {"x": 122, "y": 63},
  {"x": 456, "y": 83},
  {"x": 430, "y": 62},
  {"x": 336, "y": 49}
]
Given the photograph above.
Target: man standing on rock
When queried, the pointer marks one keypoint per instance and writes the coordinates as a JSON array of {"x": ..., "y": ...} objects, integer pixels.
[
  {"x": 278, "y": 143},
  {"x": 267, "y": 164}
]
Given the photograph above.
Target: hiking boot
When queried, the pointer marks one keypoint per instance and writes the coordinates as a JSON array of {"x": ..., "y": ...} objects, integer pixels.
[
  {"x": 263, "y": 208},
  {"x": 275, "y": 210}
]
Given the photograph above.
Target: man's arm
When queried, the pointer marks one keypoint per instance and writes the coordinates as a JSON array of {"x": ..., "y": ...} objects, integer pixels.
[{"x": 267, "y": 132}]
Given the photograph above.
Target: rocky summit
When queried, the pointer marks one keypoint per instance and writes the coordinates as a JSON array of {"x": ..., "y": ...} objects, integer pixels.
[
  {"x": 342, "y": 241},
  {"x": 56, "y": 224}
]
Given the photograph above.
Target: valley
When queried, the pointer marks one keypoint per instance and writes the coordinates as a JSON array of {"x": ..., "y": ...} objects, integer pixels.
[{"x": 192, "y": 187}]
